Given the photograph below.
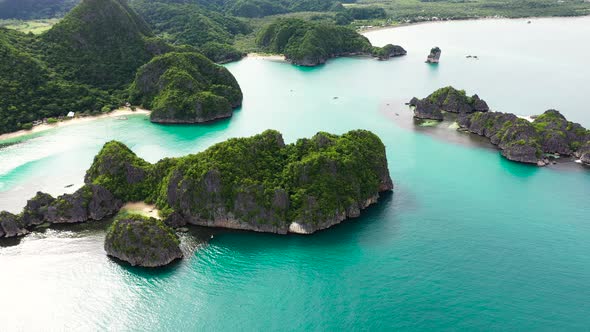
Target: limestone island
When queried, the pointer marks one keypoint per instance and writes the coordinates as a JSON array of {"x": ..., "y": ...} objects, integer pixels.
[
  {"x": 142, "y": 241},
  {"x": 185, "y": 88},
  {"x": 309, "y": 44},
  {"x": 258, "y": 183},
  {"x": 434, "y": 56},
  {"x": 548, "y": 135}
]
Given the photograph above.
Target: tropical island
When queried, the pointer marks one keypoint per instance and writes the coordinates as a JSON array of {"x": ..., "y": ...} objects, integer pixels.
[
  {"x": 310, "y": 44},
  {"x": 258, "y": 183},
  {"x": 547, "y": 136}
]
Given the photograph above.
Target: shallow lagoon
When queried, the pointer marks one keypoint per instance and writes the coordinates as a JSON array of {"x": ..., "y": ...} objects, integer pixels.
[{"x": 467, "y": 240}]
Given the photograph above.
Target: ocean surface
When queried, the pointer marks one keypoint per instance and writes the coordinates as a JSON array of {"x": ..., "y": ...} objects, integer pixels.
[{"x": 467, "y": 241}]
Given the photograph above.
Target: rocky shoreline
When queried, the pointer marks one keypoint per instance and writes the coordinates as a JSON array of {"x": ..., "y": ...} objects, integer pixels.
[
  {"x": 381, "y": 53},
  {"x": 548, "y": 136},
  {"x": 257, "y": 184}
]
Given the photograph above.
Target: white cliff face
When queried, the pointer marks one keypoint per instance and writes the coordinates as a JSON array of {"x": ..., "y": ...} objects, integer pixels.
[{"x": 297, "y": 228}]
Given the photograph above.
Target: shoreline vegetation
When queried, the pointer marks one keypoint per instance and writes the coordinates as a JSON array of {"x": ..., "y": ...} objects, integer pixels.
[{"x": 73, "y": 121}]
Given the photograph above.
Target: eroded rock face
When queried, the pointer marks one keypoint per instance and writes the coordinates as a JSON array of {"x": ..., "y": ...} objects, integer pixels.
[
  {"x": 91, "y": 202},
  {"x": 424, "y": 109},
  {"x": 142, "y": 241},
  {"x": 209, "y": 196},
  {"x": 11, "y": 225},
  {"x": 584, "y": 153},
  {"x": 35, "y": 212},
  {"x": 434, "y": 56},
  {"x": 447, "y": 99},
  {"x": 516, "y": 137},
  {"x": 558, "y": 135}
]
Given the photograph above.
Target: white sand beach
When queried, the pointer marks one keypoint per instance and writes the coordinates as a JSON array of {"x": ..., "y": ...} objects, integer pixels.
[{"x": 76, "y": 120}]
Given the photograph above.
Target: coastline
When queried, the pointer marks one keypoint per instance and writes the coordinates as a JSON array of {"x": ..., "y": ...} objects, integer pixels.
[
  {"x": 263, "y": 56},
  {"x": 47, "y": 126},
  {"x": 401, "y": 25}
]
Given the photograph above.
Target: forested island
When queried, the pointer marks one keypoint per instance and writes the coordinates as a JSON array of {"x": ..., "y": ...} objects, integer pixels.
[
  {"x": 548, "y": 136},
  {"x": 257, "y": 183},
  {"x": 310, "y": 44}
]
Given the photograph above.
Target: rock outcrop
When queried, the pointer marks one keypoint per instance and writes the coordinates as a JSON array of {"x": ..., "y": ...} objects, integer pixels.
[
  {"x": 447, "y": 99},
  {"x": 584, "y": 153},
  {"x": 91, "y": 202},
  {"x": 528, "y": 142},
  {"x": 558, "y": 135},
  {"x": 142, "y": 241},
  {"x": 11, "y": 225},
  {"x": 389, "y": 51},
  {"x": 434, "y": 56},
  {"x": 519, "y": 139}
]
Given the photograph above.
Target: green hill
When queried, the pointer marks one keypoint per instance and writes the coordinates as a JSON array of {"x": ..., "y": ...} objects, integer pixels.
[
  {"x": 212, "y": 33},
  {"x": 100, "y": 43},
  {"x": 308, "y": 44},
  {"x": 186, "y": 88},
  {"x": 29, "y": 90}
]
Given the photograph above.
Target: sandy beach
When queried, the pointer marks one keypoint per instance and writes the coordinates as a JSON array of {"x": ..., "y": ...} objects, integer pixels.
[
  {"x": 47, "y": 126},
  {"x": 141, "y": 208},
  {"x": 273, "y": 57}
]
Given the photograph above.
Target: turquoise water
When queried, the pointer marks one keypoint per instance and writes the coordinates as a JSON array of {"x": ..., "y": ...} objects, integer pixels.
[{"x": 468, "y": 240}]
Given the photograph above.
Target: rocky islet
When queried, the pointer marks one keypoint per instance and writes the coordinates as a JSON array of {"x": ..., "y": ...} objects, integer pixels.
[{"x": 520, "y": 140}]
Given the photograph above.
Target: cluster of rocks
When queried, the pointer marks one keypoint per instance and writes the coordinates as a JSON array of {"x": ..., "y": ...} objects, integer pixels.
[
  {"x": 91, "y": 202},
  {"x": 434, "y": 56},
  {"x": 550, "y": 134},
  {"x": 530, "y": 142},
  {"x": 447, "y": 99}
]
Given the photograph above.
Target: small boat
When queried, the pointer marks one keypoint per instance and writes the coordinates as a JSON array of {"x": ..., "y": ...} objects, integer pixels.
[{"x": 122, "y": 118}]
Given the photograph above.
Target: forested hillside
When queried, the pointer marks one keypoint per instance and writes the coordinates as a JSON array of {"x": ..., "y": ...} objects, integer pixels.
[
  {"x": 29, "y": 90},
  {"x": 34, "y": 9}
]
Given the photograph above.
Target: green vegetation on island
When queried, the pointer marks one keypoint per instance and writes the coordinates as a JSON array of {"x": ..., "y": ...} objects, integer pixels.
[
  {"x": 100, "y": 43},
  {"x": 185, "y": 88},
  {"x": 142, "y": 241},
  {"x": 212, "y": 33},
  {"x": 257, "y": 183},
  {"x": 308, "y": 43}
]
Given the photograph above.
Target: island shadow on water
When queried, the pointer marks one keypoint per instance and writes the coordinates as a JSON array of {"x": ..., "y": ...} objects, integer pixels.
[{"x": 446, "y": 130}]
